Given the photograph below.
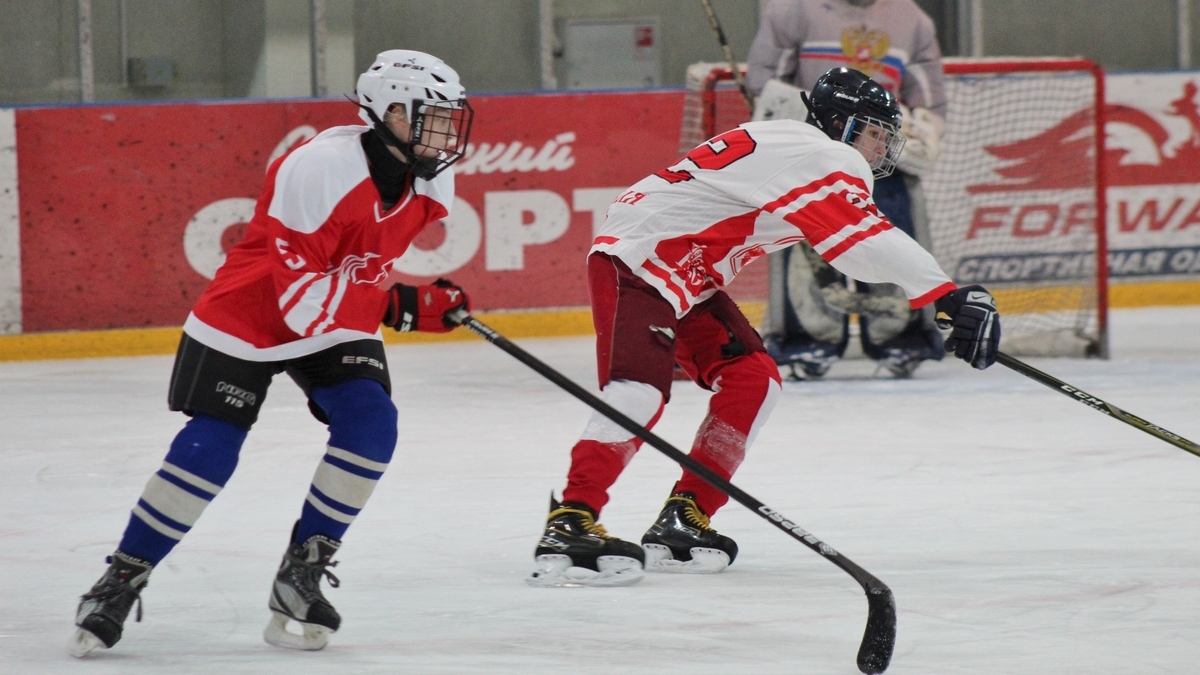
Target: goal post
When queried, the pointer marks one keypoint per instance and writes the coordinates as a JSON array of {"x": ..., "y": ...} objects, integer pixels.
[{"x": 1016, "y": 200}]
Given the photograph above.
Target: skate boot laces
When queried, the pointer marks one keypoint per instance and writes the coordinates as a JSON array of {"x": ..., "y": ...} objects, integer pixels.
[
  {"x": 306, "y": 576},
  {"x": 119, "y": 582},
  {"x": 692, "y": 513},
  {"x": 586, "y": 520},
  {"x": 311, "y": 573}
]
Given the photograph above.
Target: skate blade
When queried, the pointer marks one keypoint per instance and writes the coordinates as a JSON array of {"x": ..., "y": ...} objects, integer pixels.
[
  {"x": 314, "y": 637},
  {"x": 83, "y": 642},
  {"x": 557, "y": 571},
  {"x": 704, "y": 560}
]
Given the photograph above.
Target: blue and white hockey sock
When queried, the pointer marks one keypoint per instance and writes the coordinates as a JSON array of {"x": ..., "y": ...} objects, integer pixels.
[
  {"x": 362, "y": 437},
  {"x": 200, "y": 462}
]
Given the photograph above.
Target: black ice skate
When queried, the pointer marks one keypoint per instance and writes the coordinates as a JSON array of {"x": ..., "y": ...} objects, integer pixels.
[
  {"x": 902, "y": 363},
  {"x": 805, "y": 362},
  {"x": 103, "y": 610},
  {"x": 682, "y": 541},
  {"x": 296, "y": 595},
  {"x": 576, "y": 551}
]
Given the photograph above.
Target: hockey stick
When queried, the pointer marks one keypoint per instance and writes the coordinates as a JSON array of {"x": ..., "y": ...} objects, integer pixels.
[
  {"x": 737, "y": 72},
  {"x": 879, "y": 639},
  {"x": 1096, "y": 403}
]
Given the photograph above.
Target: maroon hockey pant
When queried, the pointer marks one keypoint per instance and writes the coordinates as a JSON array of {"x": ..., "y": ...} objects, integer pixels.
[{"x": 638, "y": 340}]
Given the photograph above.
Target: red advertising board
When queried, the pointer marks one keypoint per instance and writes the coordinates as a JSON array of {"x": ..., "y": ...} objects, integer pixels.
[{"x": 126, "y": 210}]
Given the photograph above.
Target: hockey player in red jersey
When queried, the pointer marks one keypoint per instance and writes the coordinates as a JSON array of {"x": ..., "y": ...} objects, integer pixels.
[
  {"x": 304, "y": 294},
  {"x": 656, "y": 273}
]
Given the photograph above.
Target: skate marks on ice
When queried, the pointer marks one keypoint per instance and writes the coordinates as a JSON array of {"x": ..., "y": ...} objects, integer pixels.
[{"x": 1020, "y": 535}]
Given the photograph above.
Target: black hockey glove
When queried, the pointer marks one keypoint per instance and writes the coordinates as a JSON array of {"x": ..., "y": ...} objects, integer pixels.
[
  {"x": 974, "y": 325},
  {"x": 425, "y": 307}
]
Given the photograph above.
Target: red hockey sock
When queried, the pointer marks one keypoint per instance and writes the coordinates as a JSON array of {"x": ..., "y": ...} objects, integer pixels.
[
  {"x": 721, "y": 448},
  {"x": 595, "y": 466},
  {"x": 745, "y": 390}
]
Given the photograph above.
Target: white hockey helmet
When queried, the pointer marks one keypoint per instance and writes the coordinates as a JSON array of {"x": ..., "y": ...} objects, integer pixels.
[
  {"x": 406, "y": 77},
  {"x": 427, "y": 88}
]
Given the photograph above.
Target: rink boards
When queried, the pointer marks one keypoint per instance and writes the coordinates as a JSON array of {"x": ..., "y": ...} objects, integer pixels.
[{"x": 114, "y": 217}]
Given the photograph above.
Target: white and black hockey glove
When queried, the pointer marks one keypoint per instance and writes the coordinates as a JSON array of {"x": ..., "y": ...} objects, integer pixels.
[{"x": 970, "y": 315}]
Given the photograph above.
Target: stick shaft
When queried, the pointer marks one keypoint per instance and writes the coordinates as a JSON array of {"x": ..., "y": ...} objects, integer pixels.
[
  {"x": 1097, "y": 403},
  {"x": 737, "y": 72},
  {"x": 879, "y": 640}
]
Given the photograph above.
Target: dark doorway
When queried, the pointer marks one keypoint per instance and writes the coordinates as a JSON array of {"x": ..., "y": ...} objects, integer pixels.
[{"x": 945, "y": 16}]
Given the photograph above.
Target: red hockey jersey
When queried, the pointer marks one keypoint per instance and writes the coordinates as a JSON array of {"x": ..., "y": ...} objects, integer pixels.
[
  {"x": 308, "y": 274},
  {"x": 689, "y": 229}
]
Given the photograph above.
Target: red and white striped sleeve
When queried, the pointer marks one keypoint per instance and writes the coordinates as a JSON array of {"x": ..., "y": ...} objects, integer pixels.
[{"x": 838, "y": 217}]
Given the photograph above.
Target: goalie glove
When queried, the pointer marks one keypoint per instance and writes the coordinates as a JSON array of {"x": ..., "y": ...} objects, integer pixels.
[
  {"x": 970, "y": 315},
  {"x": 424, "y": 308},
  {"x": 779, "y": 101},
  {"x": 922, "y": 130}
]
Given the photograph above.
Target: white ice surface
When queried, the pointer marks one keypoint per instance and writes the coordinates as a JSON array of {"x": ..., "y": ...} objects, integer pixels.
[{"x": 1020, "y": 531}]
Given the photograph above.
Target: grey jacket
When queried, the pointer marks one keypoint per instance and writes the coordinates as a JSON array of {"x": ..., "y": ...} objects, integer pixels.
[{"x": 893, "y": 41}]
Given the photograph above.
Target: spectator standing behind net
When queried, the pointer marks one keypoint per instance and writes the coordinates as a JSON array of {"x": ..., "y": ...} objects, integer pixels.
[
  {"x": 304, "y": 294},
  {"x": 894, "y": 42},
  {"x": 657, "y": 271}
]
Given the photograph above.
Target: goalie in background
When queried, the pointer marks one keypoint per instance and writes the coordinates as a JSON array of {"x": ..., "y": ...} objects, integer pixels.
[
  {"x": 657, "y": 271},
  {"x": 807, "y": 323}
]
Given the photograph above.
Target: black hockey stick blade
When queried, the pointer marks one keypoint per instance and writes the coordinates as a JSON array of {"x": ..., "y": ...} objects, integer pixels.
[
  {"x": 1097, "y": 403},
  {"x": 879, "y": 638}
]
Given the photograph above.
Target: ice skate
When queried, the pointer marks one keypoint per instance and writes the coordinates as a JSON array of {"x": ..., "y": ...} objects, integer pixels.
[
  {"x": 103, "y": 610},
  {"x": 902, "y": 363},
  {"x": 804, "y": 362},
  {"x": 576, "y": 551},
  {"x": 682, "y": 541},
  {"x": 296, "y": 596}
]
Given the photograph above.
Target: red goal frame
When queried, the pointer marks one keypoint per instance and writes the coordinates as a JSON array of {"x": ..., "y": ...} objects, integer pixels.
[{"x": 716, "y": 95}]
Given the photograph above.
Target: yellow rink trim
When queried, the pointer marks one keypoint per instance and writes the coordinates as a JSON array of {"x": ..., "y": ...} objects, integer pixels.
[
  {"x": 1159, "y": 294},
  {"x": 543, "y": 323},
  {"x": 1066, "y": 298},
  {"x": 152, "y": 341}
]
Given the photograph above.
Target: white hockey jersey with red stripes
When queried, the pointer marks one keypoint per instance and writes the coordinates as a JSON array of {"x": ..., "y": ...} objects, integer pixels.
[
  {"x": 308, "y": 274},
  {"x": 689, "y": 229}
]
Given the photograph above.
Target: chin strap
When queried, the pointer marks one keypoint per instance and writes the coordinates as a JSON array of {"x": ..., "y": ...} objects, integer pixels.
[{"x": 419, "y": 166}]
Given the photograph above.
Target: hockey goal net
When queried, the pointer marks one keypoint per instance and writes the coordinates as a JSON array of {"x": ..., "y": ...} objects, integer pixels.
[{"x": 1016, "y": 201}]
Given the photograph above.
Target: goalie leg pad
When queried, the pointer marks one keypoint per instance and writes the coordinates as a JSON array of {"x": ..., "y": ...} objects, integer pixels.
[{"x": 812, "y": 331}]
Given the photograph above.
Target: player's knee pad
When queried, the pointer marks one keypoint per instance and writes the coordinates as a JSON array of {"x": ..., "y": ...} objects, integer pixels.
[
  {"x": 362, "y": 418},
  {"x": 208, "y": 448},
  {"x": 641, "y": 402}
]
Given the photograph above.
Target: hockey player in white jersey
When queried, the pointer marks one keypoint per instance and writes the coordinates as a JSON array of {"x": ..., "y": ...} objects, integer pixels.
[
  {"x": 656, "y": 273},
  {"x": 806, "y": 326}
]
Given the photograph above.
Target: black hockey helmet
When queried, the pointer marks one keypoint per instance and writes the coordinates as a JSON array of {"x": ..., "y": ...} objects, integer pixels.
[{"x": 849, "y": 106}]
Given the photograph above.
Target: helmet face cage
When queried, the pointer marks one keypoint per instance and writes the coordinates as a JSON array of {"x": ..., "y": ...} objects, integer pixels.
[
  {"x": 440, "y": 130},
  {"x": 877, "y": 141},
  {"x": 433, "y": 100},
  {"x": 852, "y": 108}
]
